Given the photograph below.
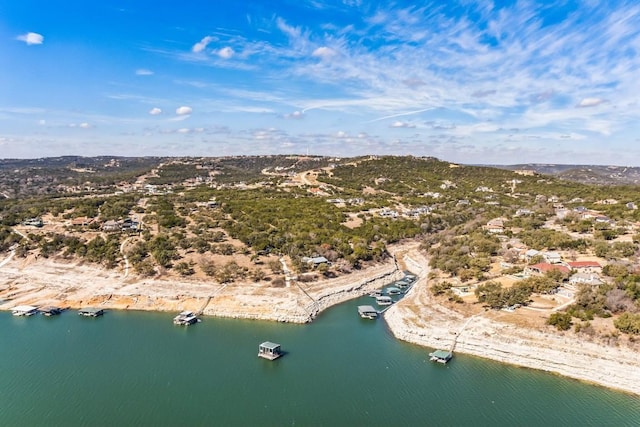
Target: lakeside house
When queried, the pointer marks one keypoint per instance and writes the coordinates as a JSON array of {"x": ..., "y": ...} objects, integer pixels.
[
  {"x": 585, "y": 266},
  {"x": 590, "y": 279},
  {"x": 542, "y": 268}
]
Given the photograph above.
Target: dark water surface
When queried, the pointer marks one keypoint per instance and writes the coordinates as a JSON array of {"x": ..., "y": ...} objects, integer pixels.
[{"x": 130, "y": 368}]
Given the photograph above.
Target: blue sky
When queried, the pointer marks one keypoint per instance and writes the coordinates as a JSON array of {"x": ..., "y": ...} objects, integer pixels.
[{"x": 495, "y": 82}]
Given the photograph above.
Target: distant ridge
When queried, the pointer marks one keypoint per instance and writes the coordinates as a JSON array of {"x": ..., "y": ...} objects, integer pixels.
[{"x": 588, "y": 174}]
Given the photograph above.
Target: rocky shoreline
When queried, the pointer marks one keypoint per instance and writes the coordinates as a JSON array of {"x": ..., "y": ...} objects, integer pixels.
[
  {"x": 419, "y": 320},
  {"x": 416, "y": 318}
]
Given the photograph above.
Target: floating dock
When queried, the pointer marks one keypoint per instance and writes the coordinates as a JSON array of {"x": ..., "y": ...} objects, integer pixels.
[
  {"x": 185, "y": 318},
  {"x": 50, "y": 310},
  {"x": 441, "y": 356},
  {"x": 269, "y": 350},
  {"x": 384, "y": 300},
  {"x": 367, "y": 312},
  {"x": 91, "y": 312},
  {"x": 24, "y": 310}
]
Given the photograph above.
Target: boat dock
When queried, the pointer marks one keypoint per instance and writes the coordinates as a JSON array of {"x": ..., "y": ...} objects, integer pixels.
[
  {"x": 185, "y": 318},
  {"x": 269, "y": 350},
  {"x": 50, "y": 310},
  {"x": 24, "y": 310},
  {"x": 441, "y": 356},
  {"x": 384, "y": 300},
  {"x": 367, "y": 312},
  {"x": 91, "y": 312}
]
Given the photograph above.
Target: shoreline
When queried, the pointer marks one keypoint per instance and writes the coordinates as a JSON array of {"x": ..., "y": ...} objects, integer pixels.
[
  {"x": 416, "y": 318},
  {"x": 419, "y": 320},
  {"x": 72, "y": 285}
]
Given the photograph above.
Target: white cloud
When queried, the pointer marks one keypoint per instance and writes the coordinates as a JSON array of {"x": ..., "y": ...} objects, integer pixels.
[
  {"x": 85, "y": 125},
  {"x": 324, "y": 53},
  {"x": 226, "y": 52},
  {"x": 143, "y": 72},
  {"x": 399, "y": 124},
  {"x": 183, "y": 111},
  {"x": 31, "y": 38},
  {"x": 202, "y": 44},
  {"x": 42, "y": 122},
  {"x": 183, "y": 130},
  {"x": 295, "y": 115},
  {"x": 590, "y": 102},
  {"x": 155, "y": 111}
]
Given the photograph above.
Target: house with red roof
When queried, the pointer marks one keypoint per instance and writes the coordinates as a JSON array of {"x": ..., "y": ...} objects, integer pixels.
[
  {"x": 585, "y": 266},
  {"x": 544, "y": 267}
]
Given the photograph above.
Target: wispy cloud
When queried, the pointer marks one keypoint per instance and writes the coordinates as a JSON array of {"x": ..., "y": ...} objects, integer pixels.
[
  {"x": 202, "y": 44},
  {"x": 143, "y": 72},
  {"x": 184, "y": 110}
]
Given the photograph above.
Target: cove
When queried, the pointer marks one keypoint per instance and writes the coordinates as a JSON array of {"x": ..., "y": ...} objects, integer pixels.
[{"x": 136, "y": 368}]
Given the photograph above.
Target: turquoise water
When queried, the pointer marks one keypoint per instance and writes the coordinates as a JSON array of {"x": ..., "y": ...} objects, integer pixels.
[{"x": 129, "y": 368}]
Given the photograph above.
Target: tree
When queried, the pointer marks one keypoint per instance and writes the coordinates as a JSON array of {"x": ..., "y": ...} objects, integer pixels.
[{"x": 562, "y": 321}]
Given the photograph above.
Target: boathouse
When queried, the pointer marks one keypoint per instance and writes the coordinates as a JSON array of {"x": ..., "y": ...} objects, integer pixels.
[
  {"x": 441, "y": 356},
  {"x": 367, "y": 312},
  {"x": 269, "y": 350},
  {"x": 24, "y": 310},
  {"x": 50, "y": 310},
  {"x": 91, "y": 312},
  {"x": 384, "y": 300}
]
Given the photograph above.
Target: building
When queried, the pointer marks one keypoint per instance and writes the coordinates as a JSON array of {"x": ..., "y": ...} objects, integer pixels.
[
  {"x": 269, "y": 350},
  {"x": 585, "y": 266},
  {"x": 543, "y": 268}
]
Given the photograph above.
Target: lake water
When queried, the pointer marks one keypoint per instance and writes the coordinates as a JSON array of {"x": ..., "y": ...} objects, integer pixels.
[{"x": 129, "y": 368}]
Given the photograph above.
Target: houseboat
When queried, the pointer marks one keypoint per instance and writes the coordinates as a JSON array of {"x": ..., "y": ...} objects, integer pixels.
[
  {"x": 269, "y": 350},
  {"x": 185, "y": 318},
  {"x": 91, "y": 312},
  {"x": 24, "y": 310},
  {"x": 402, "y": 284},
  {"x": 50, "y": 311},
  {"x": 376, "y": 294},
  {"x": 384, "y": 300},
  {"x": 367, "y": 312},
  {"x": 441, "y": 356}
]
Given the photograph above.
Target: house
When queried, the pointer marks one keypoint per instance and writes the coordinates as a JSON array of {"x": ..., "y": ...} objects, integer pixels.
[
  {"x": 315, "y": 261},
  {"x": 523, "y": 212},
  {"x": 33, "y": 222},
  {"x": 530, "y": 254},
  {"x": 543, "y": 268},
  {"x": 585, "y": 278},
  {"x": 111, "y": 225},
  {"x": 552, "y": 257},
  {"x": 585, "y": 266},
  {"x": 495, "y": 225}
]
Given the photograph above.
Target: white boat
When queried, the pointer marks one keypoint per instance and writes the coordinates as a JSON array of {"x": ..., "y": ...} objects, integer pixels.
[
  {"x": 24, "y": 310},
  {"x": 185, "y": 318}
]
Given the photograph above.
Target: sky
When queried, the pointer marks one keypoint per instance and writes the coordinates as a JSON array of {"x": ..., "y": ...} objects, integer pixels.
[{"x": 474, "y": 82}]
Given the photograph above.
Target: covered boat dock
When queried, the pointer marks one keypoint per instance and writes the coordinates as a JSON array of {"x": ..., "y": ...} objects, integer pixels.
[
  {"x": 367, "y": 312},
  {"x": 269, "y": 350},
  {"x": 441, "y": 356},
  {"x": 91, "y": 312}
]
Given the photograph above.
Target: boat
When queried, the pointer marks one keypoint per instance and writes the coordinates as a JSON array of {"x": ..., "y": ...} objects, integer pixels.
[
  {"x": 269, "y": 350},
  {"x": 375, "y": 294},
  {"x": 185, "y": 318},
  {"x": 367, "y": 312},
  {"x": 392, "y": 290},
  {"x": 24, "y": 310},
  {"x": 384, "y": 300}
]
